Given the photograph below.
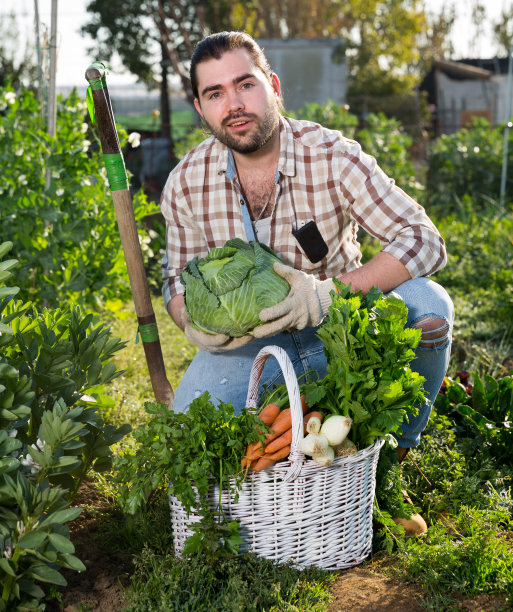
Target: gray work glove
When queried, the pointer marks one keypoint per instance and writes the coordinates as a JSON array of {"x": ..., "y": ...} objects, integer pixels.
[
  {"x": 306, "y": 304},
  {"x": 213, "y": 343}
]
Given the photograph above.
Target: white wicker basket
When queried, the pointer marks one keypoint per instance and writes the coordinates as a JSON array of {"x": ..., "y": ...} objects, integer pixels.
[{"x": 297, "y": 510}]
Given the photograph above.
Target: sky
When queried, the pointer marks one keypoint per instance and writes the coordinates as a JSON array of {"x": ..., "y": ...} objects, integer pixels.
[{"x": 73, "y": 59}]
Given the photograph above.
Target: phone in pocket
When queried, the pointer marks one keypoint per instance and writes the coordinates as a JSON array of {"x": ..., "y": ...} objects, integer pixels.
[{"x": 311, "y": 241}]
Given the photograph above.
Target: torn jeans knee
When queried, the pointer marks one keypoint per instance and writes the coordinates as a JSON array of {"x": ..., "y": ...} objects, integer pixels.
[{"x": 436, "y": 332}]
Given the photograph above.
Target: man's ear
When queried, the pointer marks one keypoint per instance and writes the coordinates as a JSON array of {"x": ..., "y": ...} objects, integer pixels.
[
  {"x": 275, "y": 83},
  {"x": 198, "y": 107}
]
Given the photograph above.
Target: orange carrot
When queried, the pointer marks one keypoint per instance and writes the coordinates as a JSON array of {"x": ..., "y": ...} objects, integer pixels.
[
  {"x": 282, "y": 422},
  {"x": 254, "y": 450},
  {"x": 262, "y": 464},
  {"x": 284, "y": 440},
  {"x": 269, "y": 413},
  {"x": 281, "y": 454},
  {"x": 304, "y": 406}
]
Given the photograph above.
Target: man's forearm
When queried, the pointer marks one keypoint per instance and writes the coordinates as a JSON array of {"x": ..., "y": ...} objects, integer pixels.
[
  {"x": 383, "y": 271},
  {"x": 175, "y": 307}
]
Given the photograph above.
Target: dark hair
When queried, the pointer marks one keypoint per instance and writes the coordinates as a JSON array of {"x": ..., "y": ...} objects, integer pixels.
[{"x": 216, "y": 45}]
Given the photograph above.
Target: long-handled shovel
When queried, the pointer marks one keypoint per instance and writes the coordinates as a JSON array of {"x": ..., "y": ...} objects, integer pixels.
[{"x": 99, "y": 100}]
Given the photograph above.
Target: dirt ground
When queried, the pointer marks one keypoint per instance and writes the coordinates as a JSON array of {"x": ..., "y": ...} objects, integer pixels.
[{"x": 101, "y": 588}]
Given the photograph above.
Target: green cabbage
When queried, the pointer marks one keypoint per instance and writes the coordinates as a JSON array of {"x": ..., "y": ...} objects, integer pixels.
[{"x": 225, "y": 291}]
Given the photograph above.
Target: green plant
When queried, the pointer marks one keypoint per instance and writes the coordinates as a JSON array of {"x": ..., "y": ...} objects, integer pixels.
[
  {"x": 56, "y": 205},
  {"x": 483, "y": 417},
  {"x": 226, "y": 290},
  {"x": 249, "y": 583},
  {"x": 191, "y": 452},
  {"x": 368, "y": 352},
  {"x": 193, "y": 138},
  {"x": 466, "y": 553},
  {"x": 468, "y": 162},
  {"x": 330, "y": 115},
  {"x": 50, "y": 435}
]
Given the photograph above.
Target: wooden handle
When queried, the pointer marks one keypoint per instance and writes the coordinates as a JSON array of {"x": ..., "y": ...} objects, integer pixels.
[{"x": 123, "y": 207}]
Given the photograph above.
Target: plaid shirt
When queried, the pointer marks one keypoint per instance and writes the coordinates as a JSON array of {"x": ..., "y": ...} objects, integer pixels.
[{"x": 321, "y": 176}]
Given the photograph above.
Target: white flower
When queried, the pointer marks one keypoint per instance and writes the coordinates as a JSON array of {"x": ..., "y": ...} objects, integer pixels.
[
  {"x": 83, "y": 128},
  {"x": 56, "y": 173},
  {"x": 18, "y": 152},
  {"x": 134, "y": 139},
  {"x": 10, "y": 97},
  {"x": 86, "y": 181},
  {"x": 476, "y": 149},
  {"x": 85, "y": 146},
  {"x": 88, "y": 398},
  {"x": 8, "y": 549},
  {"x": 27, "y": 461},
  {"x": 22, "y": 179},
  {"x": 59, "y": 192}
]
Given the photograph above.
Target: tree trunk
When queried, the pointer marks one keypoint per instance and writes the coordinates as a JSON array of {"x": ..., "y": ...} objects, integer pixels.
[{"x": 165, "y": 106}]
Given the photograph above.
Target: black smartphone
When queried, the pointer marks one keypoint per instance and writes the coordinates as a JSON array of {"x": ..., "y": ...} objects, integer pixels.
[{"x": 310, "y": 240}]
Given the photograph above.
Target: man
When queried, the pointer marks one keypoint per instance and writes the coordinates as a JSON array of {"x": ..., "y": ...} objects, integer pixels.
[{"x": 262, "y": 176}]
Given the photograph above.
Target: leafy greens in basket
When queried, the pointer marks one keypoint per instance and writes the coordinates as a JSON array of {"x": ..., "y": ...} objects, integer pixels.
[
  {"x": 226, "y": 290},
  {"x": 368, "y": 353}
]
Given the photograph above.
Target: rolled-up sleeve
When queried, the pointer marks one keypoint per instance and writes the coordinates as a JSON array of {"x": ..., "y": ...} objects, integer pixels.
[
  {"x": 184, "y": 237},
  {"x": 386, "y": 212}
]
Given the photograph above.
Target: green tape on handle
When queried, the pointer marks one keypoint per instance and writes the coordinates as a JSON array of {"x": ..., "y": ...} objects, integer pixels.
[
  {"x": 148, "y": 333},
  {"x": 90, "y": 105},
  {"x": 116, "y": 172}
]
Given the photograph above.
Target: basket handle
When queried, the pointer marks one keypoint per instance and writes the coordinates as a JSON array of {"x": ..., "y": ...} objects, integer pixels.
[{"x": 296, "y": 456}]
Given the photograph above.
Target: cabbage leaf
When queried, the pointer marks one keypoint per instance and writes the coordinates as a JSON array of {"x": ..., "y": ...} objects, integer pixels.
[{"x": 226, "y": 290}]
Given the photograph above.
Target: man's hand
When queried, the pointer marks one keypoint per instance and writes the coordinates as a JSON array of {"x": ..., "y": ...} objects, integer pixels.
[
  {"x": 306, "y": 304},
  {"x": 213, "y": 343}
]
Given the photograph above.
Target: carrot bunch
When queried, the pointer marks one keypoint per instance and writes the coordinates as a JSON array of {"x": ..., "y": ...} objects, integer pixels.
[{"x": 260, "y": 456}]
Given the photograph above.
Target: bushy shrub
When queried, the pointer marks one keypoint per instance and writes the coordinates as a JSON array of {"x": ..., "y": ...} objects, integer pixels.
[
  {"x": 330, "y": 115},
  {"x": 56, "y": 204},
  {"x": 468, "y": 162},
  {"x": 51, "y": 435}
]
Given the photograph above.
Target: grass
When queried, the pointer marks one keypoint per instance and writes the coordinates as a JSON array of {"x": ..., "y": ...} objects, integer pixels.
[
  {"x": 181, "y": 123},
  {"x": 133, "y": 388}
]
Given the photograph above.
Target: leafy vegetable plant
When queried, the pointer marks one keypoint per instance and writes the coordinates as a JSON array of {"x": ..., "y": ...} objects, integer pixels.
[
  {"x": 226, "y": 290},
  {"x": 191, "y": 452},
  {"x": 50, "y": 436},
  {"x": 368, "y": 352},
  {"x": 484, "y": 417}
]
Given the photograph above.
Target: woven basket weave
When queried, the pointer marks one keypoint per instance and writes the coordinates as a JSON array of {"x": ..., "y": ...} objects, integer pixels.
[{"x": 298, "y": 511}]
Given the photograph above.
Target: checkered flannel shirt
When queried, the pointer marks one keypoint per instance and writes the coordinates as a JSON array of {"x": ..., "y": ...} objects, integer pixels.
[{"x": 322, "y": 176}]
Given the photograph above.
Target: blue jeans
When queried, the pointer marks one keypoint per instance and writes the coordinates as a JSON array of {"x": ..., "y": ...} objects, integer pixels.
[{"x": 226, "y": 375}]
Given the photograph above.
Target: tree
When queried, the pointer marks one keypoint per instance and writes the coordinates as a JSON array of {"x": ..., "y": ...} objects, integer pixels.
[
  {"x": 139, "y": 30},
  {"x": 503, "y": 31}
]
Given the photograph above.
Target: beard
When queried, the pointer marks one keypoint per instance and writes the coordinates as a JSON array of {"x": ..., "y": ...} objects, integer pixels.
[{"x": 266, "y": 127}]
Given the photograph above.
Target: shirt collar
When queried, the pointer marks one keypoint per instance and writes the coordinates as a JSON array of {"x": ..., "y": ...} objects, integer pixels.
[{"x": 286, "y": 161}]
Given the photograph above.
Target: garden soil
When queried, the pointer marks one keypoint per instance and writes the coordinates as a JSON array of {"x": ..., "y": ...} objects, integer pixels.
[{"x": 102, "y": 587}]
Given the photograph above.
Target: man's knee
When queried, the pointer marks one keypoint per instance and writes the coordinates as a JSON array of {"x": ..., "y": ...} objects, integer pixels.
[{"x": 436, "y": 332}]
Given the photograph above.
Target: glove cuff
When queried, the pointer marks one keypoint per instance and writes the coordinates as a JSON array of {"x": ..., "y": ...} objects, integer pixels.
[{"x": 324, "y": 289}]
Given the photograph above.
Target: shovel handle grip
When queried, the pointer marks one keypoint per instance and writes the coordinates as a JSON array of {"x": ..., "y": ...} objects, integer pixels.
[{"x": 95, "y": 76}]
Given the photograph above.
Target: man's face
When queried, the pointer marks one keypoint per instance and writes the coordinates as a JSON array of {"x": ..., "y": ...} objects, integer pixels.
[{"x": 237, "y": 101}]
